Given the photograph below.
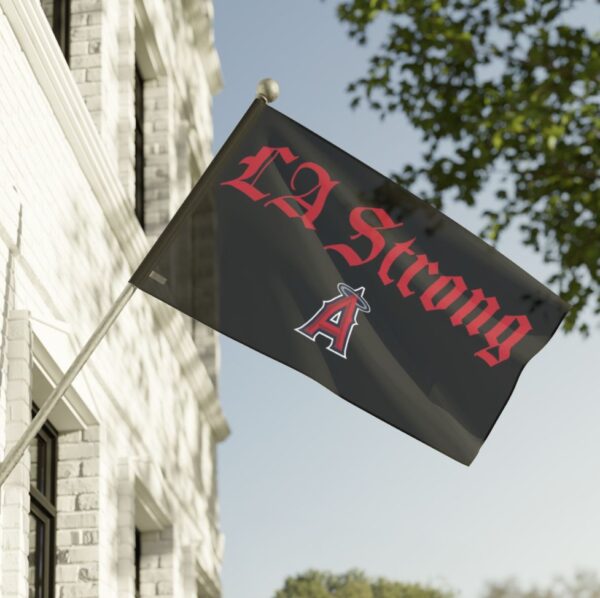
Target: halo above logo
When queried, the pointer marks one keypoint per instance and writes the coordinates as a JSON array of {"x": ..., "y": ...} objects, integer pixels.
[{"x": 348, "y": 291}]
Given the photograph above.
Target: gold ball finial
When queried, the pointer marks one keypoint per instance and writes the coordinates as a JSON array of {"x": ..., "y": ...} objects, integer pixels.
[{"x": 267, "y": 90}]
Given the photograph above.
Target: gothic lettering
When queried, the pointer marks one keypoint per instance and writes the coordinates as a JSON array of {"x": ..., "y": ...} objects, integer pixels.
[{"x": 337, "y": 317}]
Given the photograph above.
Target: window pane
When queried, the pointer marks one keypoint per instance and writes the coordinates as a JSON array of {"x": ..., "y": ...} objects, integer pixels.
[
  {"x": 37, "y": 450},
  {"x": 137, "y": 557},
  {"x": 139, "y": 145},
  {"x": 42, "y": 547},
  {"x": 37, "y": 530},
  {"x": 58, "y": 13}
]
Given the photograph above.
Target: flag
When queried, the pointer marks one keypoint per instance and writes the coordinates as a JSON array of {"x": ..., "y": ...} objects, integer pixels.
[{"x": 296, "y": 249}]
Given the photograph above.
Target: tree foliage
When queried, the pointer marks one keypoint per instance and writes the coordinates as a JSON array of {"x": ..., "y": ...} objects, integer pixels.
[
  {"x": 506, "y": 95},
  {"x": 354, "y": 584},
  {"x": 583, "y": 585}
]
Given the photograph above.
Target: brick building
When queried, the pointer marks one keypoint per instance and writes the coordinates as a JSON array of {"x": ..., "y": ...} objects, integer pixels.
[{"x": 105, "y": 123}]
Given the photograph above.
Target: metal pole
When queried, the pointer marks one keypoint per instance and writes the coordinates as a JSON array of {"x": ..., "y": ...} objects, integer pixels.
[
  {"x": 268, "y": 91},
  {"x": 18, "y": 449}
]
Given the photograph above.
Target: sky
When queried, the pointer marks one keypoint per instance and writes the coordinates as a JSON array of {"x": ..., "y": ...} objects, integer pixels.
[{"x": 307, "y": 480}]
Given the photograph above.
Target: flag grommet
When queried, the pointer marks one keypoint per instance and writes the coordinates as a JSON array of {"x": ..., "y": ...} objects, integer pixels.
[{"x": 159, "y": 278}]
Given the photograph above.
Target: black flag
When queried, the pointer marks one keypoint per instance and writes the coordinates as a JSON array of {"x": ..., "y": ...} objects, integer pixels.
[{"x": 298, "y": 250}]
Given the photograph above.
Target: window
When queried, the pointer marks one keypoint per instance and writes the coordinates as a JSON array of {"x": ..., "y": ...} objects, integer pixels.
[
  {"x": 61, "y": 24},
  {"x": 59, "y": 15},
  {"x": 138, "y": 556},
  {"x": 139, "y": 145},
  {"x": 42, "y": 514}
]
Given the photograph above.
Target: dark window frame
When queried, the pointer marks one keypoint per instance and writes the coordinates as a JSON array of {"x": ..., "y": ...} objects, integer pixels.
[
  {"x": 137, "y": 561},
  {"x": 61, "y": 25},
  {"x": 139, "y": 145},
  {"x": 43, "y": 509}
]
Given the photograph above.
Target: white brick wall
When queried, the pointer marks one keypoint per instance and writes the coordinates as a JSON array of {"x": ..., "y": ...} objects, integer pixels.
[
  {"x": 77, "y": 522},
  {"x": 157, "y": 566},
  {"x": 160, "y": 154},
  {"x": 94, "y": 62},
  {"x": 14, "y": 518},
  {"x": 64, "y": 256}
]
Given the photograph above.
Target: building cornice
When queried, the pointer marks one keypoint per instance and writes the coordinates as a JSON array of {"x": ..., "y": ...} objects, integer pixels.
[
  {"x": 37, "y": 41},
  {"x": 201, "y": 16}
]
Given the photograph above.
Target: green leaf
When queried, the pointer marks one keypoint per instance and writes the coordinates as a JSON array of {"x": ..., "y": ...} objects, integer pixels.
[{"x": 497, "y": 140}]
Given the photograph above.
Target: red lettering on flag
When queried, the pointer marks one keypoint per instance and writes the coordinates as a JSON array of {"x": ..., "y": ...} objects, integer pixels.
[
  {"x": 335, "y": 318},
  {"x": 290, "y": 204},
  {"x": 364, "y": 229},
  {"x": 255, "y": 166}
]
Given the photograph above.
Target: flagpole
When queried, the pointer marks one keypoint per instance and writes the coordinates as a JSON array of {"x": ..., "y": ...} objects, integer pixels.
[
  {"x": 268, "y": 91},
  {"x": 18, "y": 449}
]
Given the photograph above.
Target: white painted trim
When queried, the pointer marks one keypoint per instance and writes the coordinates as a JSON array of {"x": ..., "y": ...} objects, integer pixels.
[
  {"x": 206, "y": 582},
  {"x": 39, "y": 45},
  {"x": 147, "y": 52},
  {"x": 202, "y": 16},
  {"x": 72, "y": 412},
  {"x": 149, "y": 514}
]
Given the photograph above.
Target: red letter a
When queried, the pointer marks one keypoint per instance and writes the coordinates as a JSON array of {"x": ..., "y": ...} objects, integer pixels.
[{"x": 336, "y": 318}]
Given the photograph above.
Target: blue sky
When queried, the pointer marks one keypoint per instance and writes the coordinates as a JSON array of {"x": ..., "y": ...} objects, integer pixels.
[{"x": 307, "y": 480}]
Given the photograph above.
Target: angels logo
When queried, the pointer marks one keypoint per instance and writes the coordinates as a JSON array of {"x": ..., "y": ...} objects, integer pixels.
[{"x": 336, "y": 318}]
